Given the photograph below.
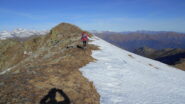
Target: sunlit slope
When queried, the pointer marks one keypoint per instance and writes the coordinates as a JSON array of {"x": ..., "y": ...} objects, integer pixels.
[{"x": 122, "y": 77}]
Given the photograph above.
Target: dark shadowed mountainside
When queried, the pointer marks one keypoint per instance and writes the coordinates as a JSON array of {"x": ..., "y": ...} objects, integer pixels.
[
  {"x": 155, "y": 54},
  {"x": 168, "y": 56}
]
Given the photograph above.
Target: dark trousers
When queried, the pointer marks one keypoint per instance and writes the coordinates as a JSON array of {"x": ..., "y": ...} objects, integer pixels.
[{"x": 84, "y": 43}]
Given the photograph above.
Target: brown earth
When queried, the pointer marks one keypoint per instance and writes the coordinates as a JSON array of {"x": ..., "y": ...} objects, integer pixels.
[
  {"x": 181, "y": 64},
  {"x": 54, "y": 62}
]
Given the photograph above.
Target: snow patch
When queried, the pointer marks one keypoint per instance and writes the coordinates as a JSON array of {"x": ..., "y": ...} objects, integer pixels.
[{"x": 122, "y": 77}]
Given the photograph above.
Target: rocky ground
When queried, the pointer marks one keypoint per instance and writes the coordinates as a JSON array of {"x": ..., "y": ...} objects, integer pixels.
[{"x": 31, "y": 68}]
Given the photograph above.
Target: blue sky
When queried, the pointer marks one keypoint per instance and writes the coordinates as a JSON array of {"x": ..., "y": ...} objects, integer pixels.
[{"x": 112, "y": 15}]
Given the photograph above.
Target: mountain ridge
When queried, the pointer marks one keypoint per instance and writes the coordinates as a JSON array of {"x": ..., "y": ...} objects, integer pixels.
[
  {"x": 134, "y": 40},
  {"x": 43, "y": 63},
  {"x": 21, "y": 33}
]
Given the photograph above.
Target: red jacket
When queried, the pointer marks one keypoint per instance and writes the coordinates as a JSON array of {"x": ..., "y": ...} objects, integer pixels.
[{"x": 84, "y": 37}]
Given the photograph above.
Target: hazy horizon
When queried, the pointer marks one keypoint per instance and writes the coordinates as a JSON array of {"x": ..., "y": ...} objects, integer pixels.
[{"x": 10, "y": 30}]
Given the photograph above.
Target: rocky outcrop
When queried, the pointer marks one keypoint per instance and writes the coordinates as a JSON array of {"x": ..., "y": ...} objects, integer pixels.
[{"x": 44, "y": 63}]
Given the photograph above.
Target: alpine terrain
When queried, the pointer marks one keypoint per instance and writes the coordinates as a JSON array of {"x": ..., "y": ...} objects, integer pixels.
[
  {"x": 32, "y": 70},
  {"x": 102, "y": 73},
  {"x": 20, "y": 33},
  {"x": 122, "y": 77}
]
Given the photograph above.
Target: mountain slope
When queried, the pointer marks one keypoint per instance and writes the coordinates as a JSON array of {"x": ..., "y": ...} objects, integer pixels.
[
  {"x": 181, "y": 64},
  {"x": 20, "y": 33},
  {"x": 154, "y": 54},
  {"x": 172, "y": 59},
  {"x": 30, "y": 69},
  {"x": 122, "y": 77},
  {"x": 168, "y": 56}
]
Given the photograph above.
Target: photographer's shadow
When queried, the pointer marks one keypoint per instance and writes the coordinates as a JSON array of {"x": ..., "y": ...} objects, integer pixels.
[{"x": 50, "y": 98}]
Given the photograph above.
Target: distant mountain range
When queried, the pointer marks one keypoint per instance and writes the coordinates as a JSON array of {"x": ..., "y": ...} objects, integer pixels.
[
  {"x": 20, "y": 33},
  {"x": 133, "y": 40}
]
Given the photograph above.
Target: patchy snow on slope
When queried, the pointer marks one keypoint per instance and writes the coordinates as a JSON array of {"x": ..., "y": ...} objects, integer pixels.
[
  {"x": 5, "y": 34},
  {"x": 20, "y": 33},
  {"x": 121, "y": 77}
]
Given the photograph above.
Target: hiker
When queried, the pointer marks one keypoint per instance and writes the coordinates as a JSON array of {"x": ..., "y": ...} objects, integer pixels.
[{"x": 84, "y": 39}]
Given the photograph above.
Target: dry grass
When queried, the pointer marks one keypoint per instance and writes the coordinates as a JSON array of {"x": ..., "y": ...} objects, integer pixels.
[
  {"x": 181, "y": 66},
  {"x": 130, "y": 55},
  {"x": 54, "y": 67},
  {"x": 34, "y": 81},
  {"x": 11, "y": 53}
]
